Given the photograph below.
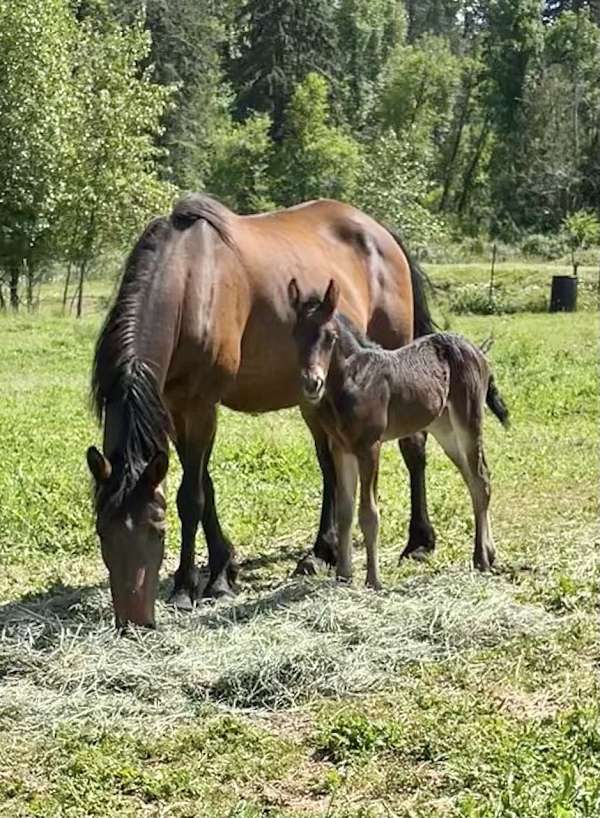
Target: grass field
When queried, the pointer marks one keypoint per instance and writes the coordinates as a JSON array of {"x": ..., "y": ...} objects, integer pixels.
[{"x": 448, "y": 694}]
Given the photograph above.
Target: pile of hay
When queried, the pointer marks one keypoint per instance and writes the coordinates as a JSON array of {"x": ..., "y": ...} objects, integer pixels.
[{"x": 60, "y": 659}]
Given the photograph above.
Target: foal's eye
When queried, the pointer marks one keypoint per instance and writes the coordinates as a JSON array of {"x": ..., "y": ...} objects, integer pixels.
[{"x": 329, "y": 337}]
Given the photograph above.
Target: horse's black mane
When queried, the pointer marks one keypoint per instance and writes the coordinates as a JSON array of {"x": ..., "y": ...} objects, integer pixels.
[{"x": 121, "y": 378}]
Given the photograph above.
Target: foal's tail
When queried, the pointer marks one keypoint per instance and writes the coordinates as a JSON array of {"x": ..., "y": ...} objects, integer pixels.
[
  {"x": 496, "y": 403},
  {"x": 469, "y": 366}
]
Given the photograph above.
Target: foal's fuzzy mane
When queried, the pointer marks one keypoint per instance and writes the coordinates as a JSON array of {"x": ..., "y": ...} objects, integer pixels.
[{"x": 358, "y": 336}]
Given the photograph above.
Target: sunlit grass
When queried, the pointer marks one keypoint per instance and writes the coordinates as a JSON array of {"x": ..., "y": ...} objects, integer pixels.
[{"x": 306, "y": 709}]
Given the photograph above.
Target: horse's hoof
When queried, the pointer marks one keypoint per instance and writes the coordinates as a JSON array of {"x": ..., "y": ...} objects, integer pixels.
[
  {"x": 344, "y": 581},
  {"x": 374, "y": 585},
  {"x": 326, "y": 552},
  {"x": 181, "y": 600},
  {"x": 221, "y": 588},
  {"x": 309, "y": 566},
  {"x": 420, "y": 554}
]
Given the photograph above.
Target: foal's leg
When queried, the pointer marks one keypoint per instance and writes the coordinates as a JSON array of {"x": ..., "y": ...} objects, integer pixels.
[
  {"x": 346, "y": 469},
  {"x": 368, "y": 513},
  {"x": 421, "y": 535},
  {"x": 463, "y": 445},
  {"x": 325, "y": 547}
]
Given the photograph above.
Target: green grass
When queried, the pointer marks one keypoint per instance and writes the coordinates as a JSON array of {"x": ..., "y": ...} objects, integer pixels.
[
  {"x": 297, "y": 699},
  {"x": 517, "y": 287}
]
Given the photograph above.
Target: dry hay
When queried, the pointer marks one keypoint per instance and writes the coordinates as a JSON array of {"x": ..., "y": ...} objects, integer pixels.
[{"x": 61, "y": 661}]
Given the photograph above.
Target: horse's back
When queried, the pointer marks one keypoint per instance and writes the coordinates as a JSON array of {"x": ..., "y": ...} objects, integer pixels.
[{"x": 236, "y": 311}]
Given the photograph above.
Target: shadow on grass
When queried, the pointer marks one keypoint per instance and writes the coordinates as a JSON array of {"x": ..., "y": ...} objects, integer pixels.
[{"x": 44, "y": 617}]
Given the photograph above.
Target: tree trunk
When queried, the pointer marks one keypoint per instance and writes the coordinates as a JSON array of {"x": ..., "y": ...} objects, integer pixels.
[
  {"x": 80, "y": 289},
  {"x": 66, "y": 289},
  {"x": 14, "y": 286},
  {"x": 469, "y": 175},
  {"x": 2, "y": 301},
  {"x": 455, "y": 146},
  {"x": 29, "y": 280}
]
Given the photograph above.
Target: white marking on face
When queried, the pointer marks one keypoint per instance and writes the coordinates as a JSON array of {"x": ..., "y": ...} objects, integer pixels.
[{"x": 129, "y": 522}]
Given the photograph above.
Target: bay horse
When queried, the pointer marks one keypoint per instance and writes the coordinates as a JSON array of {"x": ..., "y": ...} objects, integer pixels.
[
  {"x": 202, "y": 319},
  {"x": 365, "y": 395}
]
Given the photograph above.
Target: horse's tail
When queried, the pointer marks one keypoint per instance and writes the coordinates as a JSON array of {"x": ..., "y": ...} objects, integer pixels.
[
  {"x": 495, "y": 402},
  {"x": 423, "y": 322}
]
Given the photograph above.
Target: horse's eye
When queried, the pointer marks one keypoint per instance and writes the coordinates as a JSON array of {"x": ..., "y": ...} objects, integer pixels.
[{"x": 329, "y": 337}]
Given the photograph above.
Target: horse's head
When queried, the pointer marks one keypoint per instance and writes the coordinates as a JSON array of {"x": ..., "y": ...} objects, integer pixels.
[
  {"x": 315, "y": 333},
  {"x": 130, "y": 521}
]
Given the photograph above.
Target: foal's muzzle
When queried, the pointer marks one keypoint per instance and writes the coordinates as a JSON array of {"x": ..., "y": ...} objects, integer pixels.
[{"x": 313, "y": 387}]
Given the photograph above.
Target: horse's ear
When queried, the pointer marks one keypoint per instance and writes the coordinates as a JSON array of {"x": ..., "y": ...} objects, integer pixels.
[
  {"x": 156, "y": 470},
  {"x": 330, "y": 299},
  {"x": 294, "y": 294},
  {"x": 98, "y": 465}
]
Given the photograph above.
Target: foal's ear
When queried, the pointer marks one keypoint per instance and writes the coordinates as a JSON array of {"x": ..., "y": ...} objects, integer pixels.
[
  {"x": 330, "y": 299},
  {"x": 156, "y": 470},
  {"x": 98, "y": 465},
  {"x": 294, "y": 294}
]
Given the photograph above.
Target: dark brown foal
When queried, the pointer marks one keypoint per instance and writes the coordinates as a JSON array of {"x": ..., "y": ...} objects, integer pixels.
[{"x": 365, "y": 395}]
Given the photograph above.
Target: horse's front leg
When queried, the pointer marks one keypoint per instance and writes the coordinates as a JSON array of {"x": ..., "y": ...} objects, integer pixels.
[
  {"x": 325, "y": 547},
  {"x": 195, "y": 503},
  {"x": 421, "y": 535},
  {"x": 221, "y": 553}
]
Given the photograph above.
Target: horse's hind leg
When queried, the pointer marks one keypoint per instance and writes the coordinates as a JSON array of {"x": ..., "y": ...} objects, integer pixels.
[
  {"x": 368, "y": 514},
  {"x": 421, "y": 535},
  {"x": 195, "y": 503},
  {"x": 462, "y": 443}
]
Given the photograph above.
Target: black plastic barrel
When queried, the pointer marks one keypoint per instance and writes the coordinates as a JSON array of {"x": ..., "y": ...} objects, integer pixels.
[{"x": 563, "y": 297}]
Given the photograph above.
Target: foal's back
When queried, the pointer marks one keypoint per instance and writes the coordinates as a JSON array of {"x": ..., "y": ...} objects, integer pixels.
[{"x": 415, "y": 383}]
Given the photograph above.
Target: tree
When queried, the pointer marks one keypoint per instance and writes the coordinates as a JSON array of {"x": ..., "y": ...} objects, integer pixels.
[
  {"x": 419, "y": 87},
  {"x": 432, "y": 17},
  {"x": 555, "y": 8},
  {"x": 239, "y": 167},
  {"x": 188, "y": 39},
  {"x": 112, "y": 180},
  {"x": 393, "y": 187},
  {"x": 513, "y": 45},
  {"x": 36, "y": 42},
  {"x": 278, "y": 43},
  {"x": 368, "y": 31},
  {"x": 581, "y": 230},
  {"x": 315, "y": 159}
]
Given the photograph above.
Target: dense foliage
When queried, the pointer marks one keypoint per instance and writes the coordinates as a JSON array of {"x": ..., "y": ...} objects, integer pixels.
[{"x": 445, "y": 118}]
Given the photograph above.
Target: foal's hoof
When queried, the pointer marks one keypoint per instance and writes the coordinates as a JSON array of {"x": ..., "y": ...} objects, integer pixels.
[
  {"x": 419, "y": 554},
  {"x": 344, "y": 581},
  {"x": 484, "y": 566},
  {"x": 374, "y": 585},
  {"x": 181, "y": 600}
]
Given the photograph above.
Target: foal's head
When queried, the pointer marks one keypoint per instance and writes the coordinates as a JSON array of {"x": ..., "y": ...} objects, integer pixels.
[{"x": 315, "y": 334}]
